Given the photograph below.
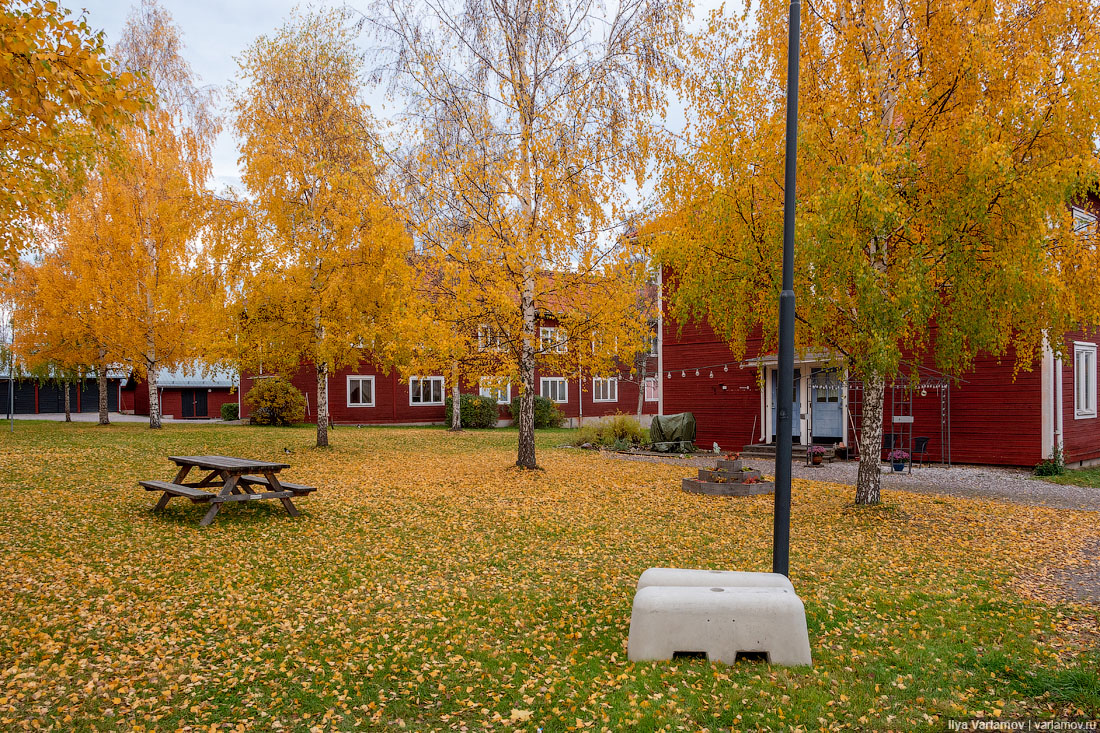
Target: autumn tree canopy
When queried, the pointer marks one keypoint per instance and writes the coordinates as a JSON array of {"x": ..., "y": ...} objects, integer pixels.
[
  {"x": 323, "y": 258},
  {"x": 61, "y": 97},
  {"x": 940, "y": 147},
  {"x": 530, "y": 122}
]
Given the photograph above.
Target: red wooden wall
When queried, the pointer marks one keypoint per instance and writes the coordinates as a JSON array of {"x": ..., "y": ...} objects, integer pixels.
[
  {"x": 135, "y": 397},
  {"x": 1081, "y": 436},
  {"x": 391, "y": 399},
  {"x": 994, "y": 419}
]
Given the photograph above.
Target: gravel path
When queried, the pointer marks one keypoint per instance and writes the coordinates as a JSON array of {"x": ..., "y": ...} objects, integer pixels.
[{"x": 973, "y": 482}]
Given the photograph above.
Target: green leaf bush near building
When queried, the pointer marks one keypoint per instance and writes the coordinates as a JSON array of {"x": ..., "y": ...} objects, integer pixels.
[
  {"x": 275, "y": 401},
  {"x": 547, "y": 414},
  {"x": 231, "y": 411},
  {"x": 477, "y": 411}
]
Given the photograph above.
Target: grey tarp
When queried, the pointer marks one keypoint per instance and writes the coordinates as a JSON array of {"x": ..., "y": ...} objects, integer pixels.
[{"x": 673, "y": 433}]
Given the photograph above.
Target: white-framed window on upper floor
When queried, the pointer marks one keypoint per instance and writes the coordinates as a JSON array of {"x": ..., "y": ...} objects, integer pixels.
[
  {"x": 552, "y": 340},
  {"x": 489, "y": 338},
  {"x": 360, "y": 390},
  {"x": 496, "y": 388},
  {"x": 1084, "y": 221},
  {"x": 650, "y": 386},
  {"x": 605, "y": 390},
  {"x": 554, "y": 388},
  {"x": 653, "y": 346},
  {"x": 1084, "y": 380},
  {"x": 426, "y": 390}
]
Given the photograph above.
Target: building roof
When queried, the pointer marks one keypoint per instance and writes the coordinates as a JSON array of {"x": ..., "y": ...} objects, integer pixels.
[{"x": 198, "y": 376}]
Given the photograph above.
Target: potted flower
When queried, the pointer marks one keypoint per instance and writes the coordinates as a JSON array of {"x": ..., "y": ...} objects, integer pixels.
[
  {"x": 817, "y": 452},
  {"x": 840, "y": 451},
  {"x": 899, "y": 458}
]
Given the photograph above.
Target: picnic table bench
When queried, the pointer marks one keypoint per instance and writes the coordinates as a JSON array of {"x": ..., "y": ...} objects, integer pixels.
[{"x": 237, "y": 478}]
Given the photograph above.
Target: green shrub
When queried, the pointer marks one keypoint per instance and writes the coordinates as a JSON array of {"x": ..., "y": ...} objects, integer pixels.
[
  {"x": 547, "y": 414},
  {"x": 275, "y": 401},
  {"x": 1053, "y": 466},
  {"x": 619, "y": 432},
  {"x": 231, "y": 411},
  {"x": 477, "y": 411}
]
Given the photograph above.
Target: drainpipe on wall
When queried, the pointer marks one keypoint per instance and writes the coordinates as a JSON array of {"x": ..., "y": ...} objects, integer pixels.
[
  {"x": 580, "y": 397},
  {"x": 1058, "y": 404},
  {"x": 660, "y": 343}
]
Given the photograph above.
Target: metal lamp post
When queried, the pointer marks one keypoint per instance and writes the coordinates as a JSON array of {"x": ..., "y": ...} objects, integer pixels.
[{"x": 785, "y": 387}]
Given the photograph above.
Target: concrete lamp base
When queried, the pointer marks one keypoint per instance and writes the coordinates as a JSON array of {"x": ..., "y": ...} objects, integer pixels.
[{"x": 760, "y": 617}]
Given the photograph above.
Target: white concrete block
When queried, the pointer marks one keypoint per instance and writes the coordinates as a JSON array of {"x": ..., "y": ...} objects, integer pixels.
[
  {"x": 720, "y": 622},
  {"x": 709, "y": 578}
]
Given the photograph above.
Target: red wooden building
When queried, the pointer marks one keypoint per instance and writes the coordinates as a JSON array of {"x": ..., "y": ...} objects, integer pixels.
[
  {"x": 986, "y": 417},
  {"x": 194, "y": 394},
  {"x": 366, "y": 395}
]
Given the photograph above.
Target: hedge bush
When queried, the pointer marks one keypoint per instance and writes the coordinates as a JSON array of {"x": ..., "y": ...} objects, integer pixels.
[
  {"x": 547, "y": 414},
  {"x": 620, "y": 432},
  {"x": 275, "y": 401},
  {"x": 477, "y": 411},
  {"x": 231, "y": 411}
]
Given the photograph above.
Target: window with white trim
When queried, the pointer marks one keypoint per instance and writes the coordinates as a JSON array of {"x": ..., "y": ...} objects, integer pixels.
[
  {"x": 360, "y": 391},
  {"x": 554, "y": 388},
  {"x": 552, "y": 340},
  {"x": 653, "y": 346},
  {"x": 425, "y": 390},
  {"x": 650, "y": 385},
  {"x": 488, "y": 338},
  {"x": 605, "y": 390},
  {"x": 496, "y": 389},
  {"x": 1083, "y": 221},
  {"x": 1084, "y": 380}
]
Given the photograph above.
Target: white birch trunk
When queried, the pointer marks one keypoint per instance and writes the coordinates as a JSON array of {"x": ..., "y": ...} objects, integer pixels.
[
  {"x": 154, "y": 396},
  {"x": 68, "y": 405},
  {"x": 526, "y": 457},
  {"x": 322, "y": 405},
  {"x": 869, "y": 481},
  {"x": 456, "y": 401},
  {"x": 101, "y": 382}
]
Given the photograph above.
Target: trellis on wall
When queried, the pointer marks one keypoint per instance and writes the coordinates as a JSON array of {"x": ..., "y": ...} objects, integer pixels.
[{"x": 899, "y": 418}]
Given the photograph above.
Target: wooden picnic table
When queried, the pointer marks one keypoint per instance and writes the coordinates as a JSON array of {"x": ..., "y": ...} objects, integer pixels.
[{"x": 238, "y": 479}]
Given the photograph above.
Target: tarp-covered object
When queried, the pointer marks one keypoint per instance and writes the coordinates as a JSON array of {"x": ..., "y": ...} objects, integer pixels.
[{"x": 673, "y": 433}]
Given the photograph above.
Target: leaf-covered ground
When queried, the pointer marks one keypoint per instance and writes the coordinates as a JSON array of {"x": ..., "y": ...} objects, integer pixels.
[{"x": 427, "y": 586}]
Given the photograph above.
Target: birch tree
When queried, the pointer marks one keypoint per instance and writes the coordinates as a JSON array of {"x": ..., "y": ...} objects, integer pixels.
[
  {"x": 532, "y": 119},
  {"x": 941, "y": 145},
  {"x": 57, "y": 319},
  {"x": 62, "y": 98},
  {"x": 325, "y": 267},
  {"x": 152, "y": 205}
]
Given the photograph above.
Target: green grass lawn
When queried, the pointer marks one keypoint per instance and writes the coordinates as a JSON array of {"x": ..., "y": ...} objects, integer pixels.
[
  {"x": 1079, "y": 477},
  {"x": 430, "y": 586}
]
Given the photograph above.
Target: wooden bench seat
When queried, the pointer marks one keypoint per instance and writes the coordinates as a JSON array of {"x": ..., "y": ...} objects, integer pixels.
[
  {"x": 195, "y": 495},
  {"x": 296, "y": 489}
]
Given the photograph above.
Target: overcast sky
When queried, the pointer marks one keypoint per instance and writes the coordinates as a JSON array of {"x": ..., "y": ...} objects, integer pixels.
[{"x": 215, "y": 33}]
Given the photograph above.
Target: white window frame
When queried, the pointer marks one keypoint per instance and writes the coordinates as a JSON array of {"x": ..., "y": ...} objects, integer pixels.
[
  {"x": 611, "y": 382},
  {"x": 646, "y": 387},
  {"x": 557, "y": 380},
  {"x": 488, "y": 338},
  {"x": 552, "y": 340},
  {"x": 1083, "y": 220},
  {"x": 485, "y": 388},
  {"x": 433, "y": 378},
  {"x": 1084, "y": 380},
  {"x": 362, "y": 378}
]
